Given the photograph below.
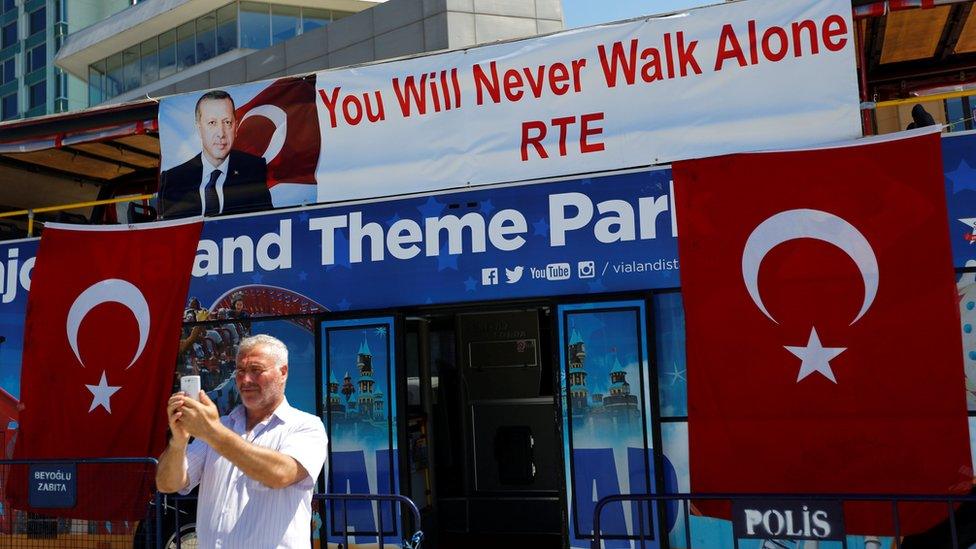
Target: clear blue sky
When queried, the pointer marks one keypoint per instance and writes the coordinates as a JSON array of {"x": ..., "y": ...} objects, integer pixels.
[{"x": 580, "y": 13}]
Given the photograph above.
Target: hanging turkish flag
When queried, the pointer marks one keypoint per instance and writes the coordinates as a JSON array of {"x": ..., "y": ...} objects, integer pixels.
[
  {"x": 100, "y": 344},
  {"x": 281, "y": 125},
  {"x": 823, "y": 328}
]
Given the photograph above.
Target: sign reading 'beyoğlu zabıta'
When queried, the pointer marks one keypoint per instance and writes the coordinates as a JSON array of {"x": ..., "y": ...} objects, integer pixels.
[{"x": 606, "y": 97}]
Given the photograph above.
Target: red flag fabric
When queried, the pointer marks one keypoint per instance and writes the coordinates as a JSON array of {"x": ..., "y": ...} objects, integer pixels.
[
  {"x": 823, "y": 336},
  {"x": 100, "y": 344},
  {"x": 281, "y": 124}
]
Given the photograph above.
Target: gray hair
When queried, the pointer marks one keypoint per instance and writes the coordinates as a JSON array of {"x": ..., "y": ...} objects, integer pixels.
[
  {"x": 213, "y": 95},
  {"x": 273, "y": 347}
]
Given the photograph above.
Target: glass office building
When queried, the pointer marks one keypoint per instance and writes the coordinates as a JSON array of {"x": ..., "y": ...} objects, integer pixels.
[{"x": 237, "y": 25}]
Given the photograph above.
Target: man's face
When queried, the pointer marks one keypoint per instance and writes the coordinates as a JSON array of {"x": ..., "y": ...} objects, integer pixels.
[
  {"x": 218, "y": 127},
  {"x": 260, "y": 384}
]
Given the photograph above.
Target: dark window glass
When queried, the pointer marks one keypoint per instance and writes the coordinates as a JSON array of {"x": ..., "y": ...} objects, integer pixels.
[
  {"x": 60, "y": 84},
  {"x": 313, "y": 18},
  {"x": 185, "y": 49},
  {"x": 130, "y": 68},
  {"x": 7, "y": 6},
  {"x": 113, "y": 82},
  {"x": 206, "y": 37},
  {"x": 96, "y": 82},
  {"x": 37, "y": 21},
  {"x": 9, "y": 70},
  {"x": 226, "y": 28},
  {"x": 954, "y": 114},
  {"x": 284, "y": 23},
  {"x": 9, "y": 108},
  {"x": 60, "y": 11},
  {"x": 255, "y": 25},
  {"x": 36, "y": 58},
  {"x": 149, "y": 61},
  {"x": 38, "y": 94},
  {"x": 167, "y": 53},
  {"x": 9, "y": 34}
]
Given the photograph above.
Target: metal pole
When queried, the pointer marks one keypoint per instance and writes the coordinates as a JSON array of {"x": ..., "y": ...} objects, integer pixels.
[{"x": 159, "y": 521}]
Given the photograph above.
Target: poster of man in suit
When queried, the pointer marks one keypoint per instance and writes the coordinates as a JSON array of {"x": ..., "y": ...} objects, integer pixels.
[{"x": 219, "y": 180}]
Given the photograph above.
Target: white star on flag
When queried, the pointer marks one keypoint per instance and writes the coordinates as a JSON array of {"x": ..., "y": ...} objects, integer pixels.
[
  {"x": 101, "y": 394},
  {"x": 815, "y": 357}
]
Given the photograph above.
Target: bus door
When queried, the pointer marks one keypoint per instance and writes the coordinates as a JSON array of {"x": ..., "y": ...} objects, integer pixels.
[
  {"x": 359, "y": 373},
  {"x": 493, "y": 437},
  {"x": 606, "y": 391}
]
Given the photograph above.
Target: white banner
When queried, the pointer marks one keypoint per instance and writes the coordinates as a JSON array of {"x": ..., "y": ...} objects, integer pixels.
[{"x": 733, "y": 77}]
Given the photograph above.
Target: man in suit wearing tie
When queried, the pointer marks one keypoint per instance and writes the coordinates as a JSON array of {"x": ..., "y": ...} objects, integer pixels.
[{"x": 219, "y": 180}]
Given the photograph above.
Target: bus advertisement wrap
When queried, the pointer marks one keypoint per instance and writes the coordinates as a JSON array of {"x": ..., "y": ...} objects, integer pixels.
[{"x": 621, "y": 95}]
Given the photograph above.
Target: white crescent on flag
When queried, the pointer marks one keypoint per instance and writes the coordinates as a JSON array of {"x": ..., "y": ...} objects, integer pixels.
[{"x": 112, "y": 290}]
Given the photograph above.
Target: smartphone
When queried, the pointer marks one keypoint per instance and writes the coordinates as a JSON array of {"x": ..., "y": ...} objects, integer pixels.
[
  {"x": 203, "y": 315},
  {"x": 191, "y": 386}
]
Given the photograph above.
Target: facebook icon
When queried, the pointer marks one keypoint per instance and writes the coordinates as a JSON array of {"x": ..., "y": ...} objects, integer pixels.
[{"x": 489, "y": 276}]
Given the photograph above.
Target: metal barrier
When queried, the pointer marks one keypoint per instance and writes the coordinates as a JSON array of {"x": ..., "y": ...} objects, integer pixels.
[
  {"x": 179, "y": 508},
  {"x": 35, "y": 496},
  {"x": 960, "y": 516}
]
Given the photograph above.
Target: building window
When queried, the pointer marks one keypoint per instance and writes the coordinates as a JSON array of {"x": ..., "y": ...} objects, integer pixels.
[
  {"x": 37, "y": 21},
  {"x": 9, "y": 35},
  {"x": 185, "y": 48},
  {"x": 9, "y": 72},
  {"x": 167, "y": 54},
  {"x": 36, "y": 58},
  {"x": 38, "y": 95},
  {"x": 113, "y": 72},
  {"x": 284, "y": 23},
  {"x": 7, "y": 6},
  {"x": 226, "y": 28},
  {"x": 96, "y": 83},
  {"x": 255, "y": 25},
  {"x": 130, "y": 68},
  {"x": 8, "y": 109},
  {"x": 313, "y": 18},
  {"x": 206, "y": 37},
  {"x": 149, "y": 61}
]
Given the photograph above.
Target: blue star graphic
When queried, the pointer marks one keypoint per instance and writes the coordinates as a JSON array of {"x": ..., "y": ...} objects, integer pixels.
[
  {"x": 541, "y": 228},
  {"x": 487, "y": 207},
  {"x": 343, "y": 305},
  {"x": 676, "y": 375},
  {"x": 303, "y": 276},
  {"x": 963, "y": 178},
  {"x": 428, "y": 301},
  {"x": 396, "y": 217},
  {"x": 257, "y": 278},
  {"x": 446, "y": 260},
  {"x": 586, "y": 181},
  {"x": 381, "y": 331},
  {"x": 596, "y": 285},
  {"x": 303, "y": 217},
  {"x": 431, "y": 208},
  {"x": 341, "y": 251},
  {"x": 470, "y": 284}
]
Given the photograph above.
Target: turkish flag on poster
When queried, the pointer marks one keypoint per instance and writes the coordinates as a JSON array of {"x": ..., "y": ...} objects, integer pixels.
[
  {"x": 281, "y": 124},
  {"x": 823, "y": 335},
  {"x": 100, "y": 344}
]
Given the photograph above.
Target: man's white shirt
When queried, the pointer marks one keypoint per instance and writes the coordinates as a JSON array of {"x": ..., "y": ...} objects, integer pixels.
[
  {"x": 234, "y": 510},
  {"x": 207, "y": 170}
]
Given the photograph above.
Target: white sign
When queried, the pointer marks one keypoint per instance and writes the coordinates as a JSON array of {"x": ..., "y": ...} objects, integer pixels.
[{"x": 734, "y": 77}]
